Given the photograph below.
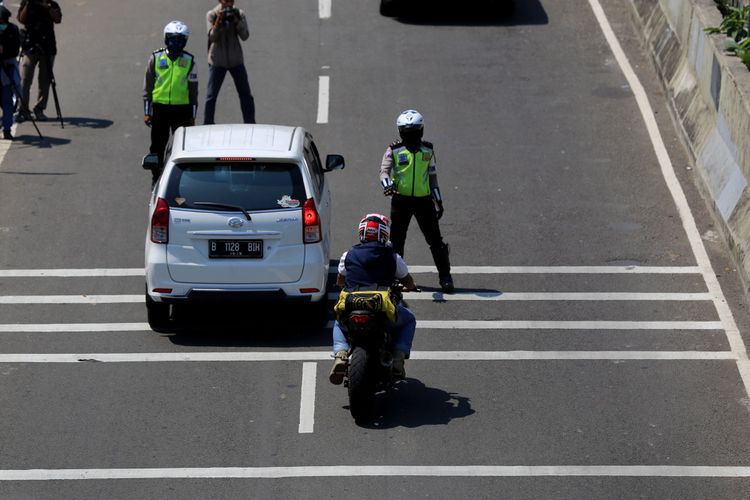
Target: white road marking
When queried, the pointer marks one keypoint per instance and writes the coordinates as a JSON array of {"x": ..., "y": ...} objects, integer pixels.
[
  {"x": 73, "y": 327},
  {"x": 69, "y": 273},
  {"x": 378, "y": 471},
  {"x": 549, "y": 296},
  {"x": 71, "y": 299},
  {"x": 688, "y": 222},
  {"x": 324, "y": 9},
  {"x": 568, "y": 325},
  {"x": 205, "y": 357},
  {"x": 115, "y": 272},
  {"x": 307, "y": 398},
  {"x": 324, "y": 95},
  {"x": 460, "y": 296},
  {"x": 421, "y": 324},
  {"x": 559, "y": 270}
]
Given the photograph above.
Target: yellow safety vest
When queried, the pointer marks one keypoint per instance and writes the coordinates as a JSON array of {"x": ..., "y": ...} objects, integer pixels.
[
  {"x": 171, "y": 78},
  {"x": 411, "y": 171}
]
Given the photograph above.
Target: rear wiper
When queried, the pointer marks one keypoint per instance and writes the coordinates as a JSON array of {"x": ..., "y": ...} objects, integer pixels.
[{"x": 222, "y": 205}]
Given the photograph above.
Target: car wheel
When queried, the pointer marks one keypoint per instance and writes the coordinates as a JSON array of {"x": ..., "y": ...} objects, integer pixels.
[
  {"x": 388, "y": 8},
  {"x": 158, "y": 315}
]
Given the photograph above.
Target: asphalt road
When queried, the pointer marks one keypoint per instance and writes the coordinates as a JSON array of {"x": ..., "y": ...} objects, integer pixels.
[{"x": 545, "y": 164}]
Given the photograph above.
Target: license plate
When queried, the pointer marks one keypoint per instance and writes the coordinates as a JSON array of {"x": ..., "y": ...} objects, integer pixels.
[{"x": 235, "y": 249}]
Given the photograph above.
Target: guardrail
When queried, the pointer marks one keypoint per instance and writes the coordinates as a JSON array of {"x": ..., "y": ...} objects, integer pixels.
[{"x": 709, "y": 94}]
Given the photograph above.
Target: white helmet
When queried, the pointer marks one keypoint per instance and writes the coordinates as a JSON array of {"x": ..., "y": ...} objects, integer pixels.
[
  {"x": 176, "y": 28},
  {"x": 410, "y": 119}
]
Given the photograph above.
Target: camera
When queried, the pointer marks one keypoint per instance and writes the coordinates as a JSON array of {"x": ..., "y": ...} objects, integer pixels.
[{"x": 230, "y": 14}]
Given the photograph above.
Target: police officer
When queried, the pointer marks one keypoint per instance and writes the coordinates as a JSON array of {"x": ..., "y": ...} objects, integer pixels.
[
  {"x": 170, "y": 89},
  {"x": 408, "y": 174}
]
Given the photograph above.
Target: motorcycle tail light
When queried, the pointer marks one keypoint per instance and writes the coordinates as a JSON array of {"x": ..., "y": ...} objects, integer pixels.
[{"x": 360, "y": 318}]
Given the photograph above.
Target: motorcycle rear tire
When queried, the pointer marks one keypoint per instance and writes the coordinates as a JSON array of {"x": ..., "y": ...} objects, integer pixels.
[{"x": 361, "y": 385}]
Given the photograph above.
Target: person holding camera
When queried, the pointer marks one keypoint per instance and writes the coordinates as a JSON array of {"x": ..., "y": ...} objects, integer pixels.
[
  {"x": 39, "y": 48},
  {"x": 227, "y": 25},
  {"x": 10, "y": 46}
]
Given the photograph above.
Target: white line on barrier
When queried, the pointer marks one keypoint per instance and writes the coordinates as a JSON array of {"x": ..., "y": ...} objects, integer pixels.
[
  {"x": 421, "y": 324},
  {"x": 307, "y": 398},
  {"x": 124, "y": 272},
  {"x": 204, "y": 357},
  {"x": 378, "y": 470},
  {"x": 667, "y": 169},
  {"x": 324, "y": 95},
  {"x": 549, "y": 296},
  {"x": 324, "y": 9}
]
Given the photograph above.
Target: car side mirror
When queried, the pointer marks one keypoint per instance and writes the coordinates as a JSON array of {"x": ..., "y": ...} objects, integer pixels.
[
  {"x": 151, "y": 162},
  {"x": 334, "y": 162}
]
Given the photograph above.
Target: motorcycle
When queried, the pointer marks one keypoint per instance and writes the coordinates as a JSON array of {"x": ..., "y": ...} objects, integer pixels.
[{"x": 369, "y": 369}]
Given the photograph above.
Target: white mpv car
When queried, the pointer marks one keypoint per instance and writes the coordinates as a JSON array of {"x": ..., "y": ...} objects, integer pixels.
[{"x": 241, "y": 212}]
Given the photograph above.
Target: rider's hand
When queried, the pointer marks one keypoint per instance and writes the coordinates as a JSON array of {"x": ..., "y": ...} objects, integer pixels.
[
  {"x": 439, "y": 209},
  {"x": 147, "y": 120}
]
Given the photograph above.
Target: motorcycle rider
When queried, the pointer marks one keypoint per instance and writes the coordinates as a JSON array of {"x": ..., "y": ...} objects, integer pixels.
[
  {"x": 408, "y": 174},
  {"x": 372, "y": 263}
]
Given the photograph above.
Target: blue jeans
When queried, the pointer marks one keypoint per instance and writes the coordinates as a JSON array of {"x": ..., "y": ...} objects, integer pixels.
[
  {"x": 403, "y": 333},
  {"x": 216, "y": 76},
  {"x": 8, "y": 106}
]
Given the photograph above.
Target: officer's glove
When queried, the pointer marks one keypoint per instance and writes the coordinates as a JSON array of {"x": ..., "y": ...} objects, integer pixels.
[
  {"x": 388, "y": 188},
  {"x": 439, "y": 209},
  {"x": 147, "y": 120}
]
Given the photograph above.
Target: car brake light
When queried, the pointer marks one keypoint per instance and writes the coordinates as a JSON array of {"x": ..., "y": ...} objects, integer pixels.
[
  {"x": 311, "y": 232},
  {"x": 160, "y": 222}
]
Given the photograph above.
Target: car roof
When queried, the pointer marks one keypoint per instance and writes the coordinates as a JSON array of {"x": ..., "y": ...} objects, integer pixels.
[{"x": 263, "y": 141}]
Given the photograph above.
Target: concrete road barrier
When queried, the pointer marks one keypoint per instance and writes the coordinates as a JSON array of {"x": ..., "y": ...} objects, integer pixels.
[{"x": 709, "y": 92}]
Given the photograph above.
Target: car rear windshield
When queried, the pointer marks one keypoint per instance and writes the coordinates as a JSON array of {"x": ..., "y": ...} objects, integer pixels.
[{"x": 250, "y": 185}]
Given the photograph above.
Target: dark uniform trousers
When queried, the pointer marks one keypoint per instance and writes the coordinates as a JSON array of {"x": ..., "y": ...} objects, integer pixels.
[
  {"x": 167, "y": 118},
  {"x": 421, "y": 208}
]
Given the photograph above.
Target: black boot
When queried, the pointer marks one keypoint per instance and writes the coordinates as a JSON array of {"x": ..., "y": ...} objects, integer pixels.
[{"x": 443, "y": 264}]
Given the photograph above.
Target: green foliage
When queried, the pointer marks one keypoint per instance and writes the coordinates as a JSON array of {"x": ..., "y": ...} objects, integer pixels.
[{"x": 734, "y": 25}]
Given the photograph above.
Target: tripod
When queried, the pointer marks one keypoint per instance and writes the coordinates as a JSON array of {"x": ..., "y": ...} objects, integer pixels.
[{"x": 13, "y": 83}]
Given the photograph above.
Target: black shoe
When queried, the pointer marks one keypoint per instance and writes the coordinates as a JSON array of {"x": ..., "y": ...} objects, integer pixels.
[
  {"x": 446, "y": 283},
  {"x": 22, "y": 116},
  {"x": 7, "y": 135},
  {"x": 40, "y": 116}
]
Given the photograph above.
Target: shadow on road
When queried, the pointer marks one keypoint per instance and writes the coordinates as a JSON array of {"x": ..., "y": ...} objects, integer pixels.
[
  {"x": 277, "y": 326},
  {"x": 412, "y": 404},
  {"x": 472, "y": 13},
  {"x": 28, "y": 140},
  {"x": 79, "y": 121}
]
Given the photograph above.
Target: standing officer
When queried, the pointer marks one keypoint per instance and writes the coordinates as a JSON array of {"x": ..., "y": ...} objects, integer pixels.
[
  {"x": 408, "y": 174},
  {"x": 170, "y": 89}
]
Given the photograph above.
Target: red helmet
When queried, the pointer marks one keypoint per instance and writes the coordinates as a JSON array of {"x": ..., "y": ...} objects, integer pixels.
[{"x": 375, "y": 227}]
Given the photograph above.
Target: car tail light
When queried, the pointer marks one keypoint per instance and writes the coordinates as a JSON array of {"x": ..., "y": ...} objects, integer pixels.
[
  {"x": 160, "y": 222},
  {"x": 311, "y": 232}
]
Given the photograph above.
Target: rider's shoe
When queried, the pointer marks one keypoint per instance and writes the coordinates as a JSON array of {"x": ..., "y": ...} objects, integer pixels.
[
  {"x": 336, "y": 376},
  {"x": 397, "y": 366},
  {"x": 446, "y": 283}
]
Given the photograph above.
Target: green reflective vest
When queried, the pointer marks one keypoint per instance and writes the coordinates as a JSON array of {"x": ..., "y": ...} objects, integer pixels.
[
  {"x": 411, "y": 171},
  {"x": 171, "y": 78}
]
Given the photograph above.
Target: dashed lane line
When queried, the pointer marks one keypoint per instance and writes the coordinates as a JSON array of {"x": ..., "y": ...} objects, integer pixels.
[
  {"x": 378, "y": 471},
  {"x": 324, "y": 9},
  {"x": 116, "y": 272},
  {"x": 324, "y": 95},
  {"x": 421, "y": 324},
  {"x": 204, "y": 357},
  {"x": 307, "y": 398}
]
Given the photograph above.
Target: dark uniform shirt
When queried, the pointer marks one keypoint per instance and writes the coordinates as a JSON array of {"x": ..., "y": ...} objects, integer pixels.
[{"x": 40, "y": 28}]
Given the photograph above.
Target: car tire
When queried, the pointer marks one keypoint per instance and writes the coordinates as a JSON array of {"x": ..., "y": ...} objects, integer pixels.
[
  {"x": 158, "y": 315},
  {"x": 388, "y": 8}
]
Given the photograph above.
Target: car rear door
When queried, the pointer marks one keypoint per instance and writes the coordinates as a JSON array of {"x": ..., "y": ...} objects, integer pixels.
[{"x": 213, "y": 243}]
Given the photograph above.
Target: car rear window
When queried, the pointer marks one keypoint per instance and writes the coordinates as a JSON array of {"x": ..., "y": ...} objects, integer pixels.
[{"x": 251, "y": 185}]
